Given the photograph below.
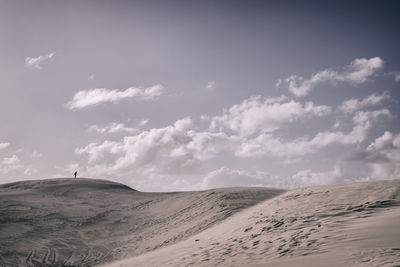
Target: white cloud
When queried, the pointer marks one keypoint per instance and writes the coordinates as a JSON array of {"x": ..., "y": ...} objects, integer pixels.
[
  {"x": 113, "y": 128},
  {"x": 143, "y": 122},
  {"x": 68, "y": 170},
  {"x": 305, "y": 178},
  {"x": 97, "y": 96},
  {"x": 268, "y": 115},
  {"x": 357, "y": 72},
  {"x": 395, "y": 74},
  {"x": 226, "y": 177},
  {"x": 204, "y": 117},
  {"x": 382, "y": 155},
  {"x": 36, "y": 62},
  {"x": 171, "y": 151},
  {"x": 8, "y": 168},
  {"x": 353, "y": 104},
  {"x": 267, "y": 144},
  {"x": 179, "y": 149},
  {"x": 175, "y": 141},
  {"x": 206, "y": 145},
  {"x": 29, "y": 171},
  {"x": 10, "y": 164},
  {"x": 36, "y": 154},
  {"x": 91, "y": 77},
  {"x": 278, "y": 83},
  {"x": 4, "y": 145},
  {"x": 97, "y": 151},
  {"x": 336, "y": 125},
  {"x": 11, "y": 160},
  {"x": 211, "y": 85},
  {"x": 310, "y": 178},
  {"x": 176, "y": 148},
  {"x": 183, "y": 124}
]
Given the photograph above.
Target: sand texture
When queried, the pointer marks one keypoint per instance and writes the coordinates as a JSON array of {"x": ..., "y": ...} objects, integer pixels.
[
  {"x": 85, "y": 222},
  {"x": 354, "y": 224}
]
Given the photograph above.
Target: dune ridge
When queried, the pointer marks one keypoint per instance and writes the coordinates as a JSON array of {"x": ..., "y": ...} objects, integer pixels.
[
  {"x": 85, "y": 222},
  {"x": 354, "y": 224}
]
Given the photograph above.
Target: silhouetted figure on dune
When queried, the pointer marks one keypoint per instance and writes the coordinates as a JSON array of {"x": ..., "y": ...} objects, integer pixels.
[{"x": 75, "y": 174}]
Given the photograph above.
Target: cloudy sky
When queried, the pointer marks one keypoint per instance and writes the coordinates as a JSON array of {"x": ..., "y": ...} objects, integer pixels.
[{"x": 189, "y": 95}]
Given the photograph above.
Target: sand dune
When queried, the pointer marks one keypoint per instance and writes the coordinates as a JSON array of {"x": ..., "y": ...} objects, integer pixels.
[
  {"x": 84, "y": 222},
  {"x": 354, "y": 224}
]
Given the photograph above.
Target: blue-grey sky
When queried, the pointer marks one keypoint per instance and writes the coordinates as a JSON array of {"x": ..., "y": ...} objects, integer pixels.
[{"x": 187, "y": 95}]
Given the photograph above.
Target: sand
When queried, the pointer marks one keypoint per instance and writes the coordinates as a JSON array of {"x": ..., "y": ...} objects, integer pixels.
[
  {"x": 86, "y": 222},
  {"x": 354, "y": 224}
]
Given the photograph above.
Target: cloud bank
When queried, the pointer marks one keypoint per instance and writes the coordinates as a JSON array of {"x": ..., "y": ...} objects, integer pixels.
[
  {"x": 255, "y": 114},
  {"x": 227, "y": 177},
  {"x": 179, "y": 155},
  {"x": 382, "y": 155}
]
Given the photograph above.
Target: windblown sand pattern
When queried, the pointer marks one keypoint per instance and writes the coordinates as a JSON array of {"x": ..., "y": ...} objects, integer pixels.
[{"x": 85, "y": 222}]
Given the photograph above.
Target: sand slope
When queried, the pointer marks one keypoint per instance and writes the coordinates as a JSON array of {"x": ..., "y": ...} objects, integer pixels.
[
  {"x": 354, "y": 224},
  {"x": 84, "y": 222}
]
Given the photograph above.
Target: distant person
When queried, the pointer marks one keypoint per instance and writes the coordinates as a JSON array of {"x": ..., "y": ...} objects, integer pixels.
[{"x": 75, "y": 174}]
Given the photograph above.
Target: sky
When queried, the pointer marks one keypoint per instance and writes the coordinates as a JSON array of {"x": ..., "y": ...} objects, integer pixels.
[{"x": 189, "y": 95}]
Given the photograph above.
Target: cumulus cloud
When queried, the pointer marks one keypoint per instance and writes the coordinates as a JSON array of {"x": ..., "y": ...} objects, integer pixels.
[
  {"x": 248, "y": 129},
  {"x": 9, "y": 164},
  {"x": 173, "y": 148},
  {"x": 97, "y": 151},
  {"x": 10, "y": 160},
  {"x": 179, "y": 149},
  {"x": 305, "y": 178},
  {"x": 4, "y": 145},
  {"x": 36, "y": 62},
  {"x": 353, "y": 104},
  {"x": 357, "y": 72},
  {"x": 382, "y": 155},
  {"x": 176, "y": 141},
  {"x": 255, "y": 114},
  {"x": 97, "y": 96},
  {"x": 267, "y": 144}
]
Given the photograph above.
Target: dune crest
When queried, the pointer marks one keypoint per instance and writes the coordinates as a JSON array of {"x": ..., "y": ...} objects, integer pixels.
[
  {"x": 84, "y": 222},
  {"x": 353, "y": 224}
]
